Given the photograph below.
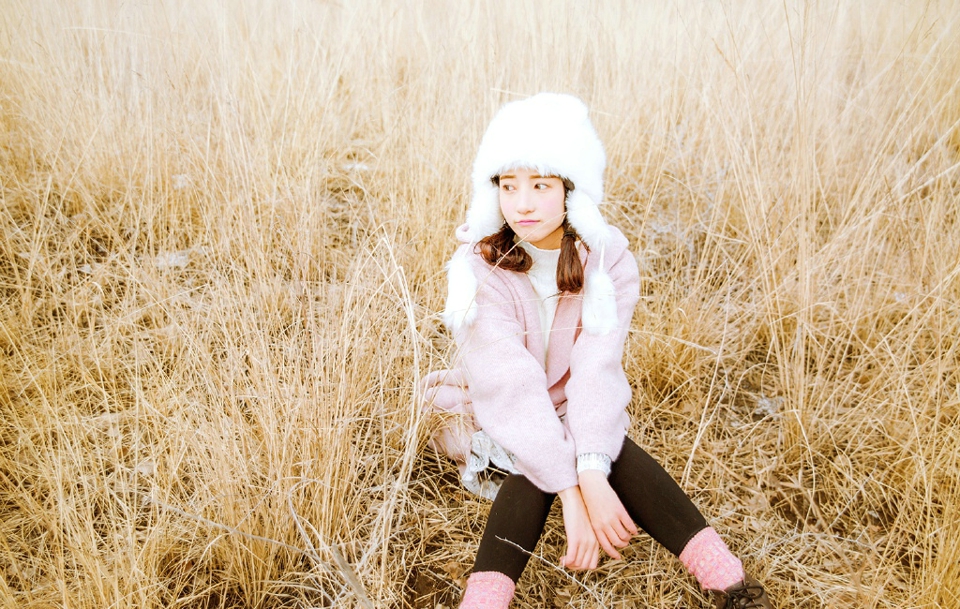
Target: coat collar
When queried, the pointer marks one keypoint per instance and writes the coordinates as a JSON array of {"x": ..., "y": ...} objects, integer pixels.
[
  {"x": 566, "y": 327},
  {"x": 564, "y": 332}
]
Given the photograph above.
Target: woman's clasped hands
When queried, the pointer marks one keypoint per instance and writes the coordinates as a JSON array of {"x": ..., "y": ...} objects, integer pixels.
[{"x": 593, "y": 518}]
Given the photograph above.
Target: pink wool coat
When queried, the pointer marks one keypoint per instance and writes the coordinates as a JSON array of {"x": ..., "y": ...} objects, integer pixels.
[{"x": 499, "y": 384}]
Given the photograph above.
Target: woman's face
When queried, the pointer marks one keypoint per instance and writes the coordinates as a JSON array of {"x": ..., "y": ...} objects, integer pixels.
[{"x": 533, "y": 206}]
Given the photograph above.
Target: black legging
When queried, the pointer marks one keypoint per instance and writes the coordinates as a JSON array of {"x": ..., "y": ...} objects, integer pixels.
[{"x": 655, "y": 502}]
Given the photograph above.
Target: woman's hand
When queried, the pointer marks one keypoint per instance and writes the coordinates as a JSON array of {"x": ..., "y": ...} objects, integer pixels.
[
  {"x": 610, "y": 522},
  {"x": 583, "y": 551}
]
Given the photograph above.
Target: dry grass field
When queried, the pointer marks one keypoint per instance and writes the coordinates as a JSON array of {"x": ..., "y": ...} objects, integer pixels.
[{"x": 224, "y": 226}]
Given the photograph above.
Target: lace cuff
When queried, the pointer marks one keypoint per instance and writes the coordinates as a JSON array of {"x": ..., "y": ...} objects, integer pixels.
[{"x": 594, "y": 461}]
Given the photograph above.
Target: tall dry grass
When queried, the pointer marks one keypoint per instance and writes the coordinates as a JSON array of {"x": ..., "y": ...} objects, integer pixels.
[{"x": 224, "y": 226}]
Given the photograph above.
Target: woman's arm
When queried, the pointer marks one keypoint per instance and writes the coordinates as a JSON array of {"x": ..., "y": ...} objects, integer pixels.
[
  {"x": 508, "y": 386},
  {"x": 598, "y": 391},
  {"x": 583, "y": 550}
]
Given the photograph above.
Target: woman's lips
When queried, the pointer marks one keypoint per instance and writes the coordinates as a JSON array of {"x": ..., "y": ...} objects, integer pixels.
[{"x": 527, "y": 222}]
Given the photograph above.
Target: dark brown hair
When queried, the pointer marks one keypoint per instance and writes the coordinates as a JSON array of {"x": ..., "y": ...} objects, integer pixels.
[{"x": 499, "y": 249}]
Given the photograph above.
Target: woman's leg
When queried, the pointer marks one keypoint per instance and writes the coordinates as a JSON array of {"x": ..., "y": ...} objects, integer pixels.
[
  {"x": 659, "y": 506},
  {"x": 517, "y": 516},
  {"x": 653, "y": 499}
]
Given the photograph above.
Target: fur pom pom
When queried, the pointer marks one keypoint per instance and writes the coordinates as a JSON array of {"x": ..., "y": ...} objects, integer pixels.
[
  {"x": 461, "y": 306},
  {"x": 599, "y": 313}
]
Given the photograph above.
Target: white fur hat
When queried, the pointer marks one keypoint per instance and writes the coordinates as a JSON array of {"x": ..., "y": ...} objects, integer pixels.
[{"x": 551, "y": 133}]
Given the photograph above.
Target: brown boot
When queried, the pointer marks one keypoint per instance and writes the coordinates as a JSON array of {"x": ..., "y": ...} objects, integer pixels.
[{"x": 748, "y": 593}]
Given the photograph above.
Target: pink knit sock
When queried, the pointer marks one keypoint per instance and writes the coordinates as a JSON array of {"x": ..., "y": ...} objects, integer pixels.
[
  {"x": 708, "y": 559},
  {"x": 488, "y": 590}
]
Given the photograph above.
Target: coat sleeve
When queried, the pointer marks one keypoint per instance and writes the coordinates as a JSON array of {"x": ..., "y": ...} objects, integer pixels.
[
  {"x": 598, "y": 391},
  {"x": 508, "y": 388}
]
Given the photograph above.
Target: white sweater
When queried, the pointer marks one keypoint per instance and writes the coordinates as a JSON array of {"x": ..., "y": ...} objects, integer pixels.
[{"x": 543, "y": 278}]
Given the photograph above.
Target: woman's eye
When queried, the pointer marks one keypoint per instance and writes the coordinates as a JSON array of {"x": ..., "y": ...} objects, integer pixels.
[{"x": 541, "y": 186}]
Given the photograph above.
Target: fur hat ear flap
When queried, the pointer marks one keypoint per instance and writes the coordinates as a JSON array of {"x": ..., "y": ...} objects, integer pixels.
[
  {"x": 599, "y": 309},
  {"x": 584, "y": 215},
  {"x": 461, "y": 305},
  {"x": 484, "y": 217}
]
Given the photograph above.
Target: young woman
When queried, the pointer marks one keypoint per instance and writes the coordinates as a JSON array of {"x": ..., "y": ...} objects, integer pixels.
[{"x": 541, "y": 294}]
